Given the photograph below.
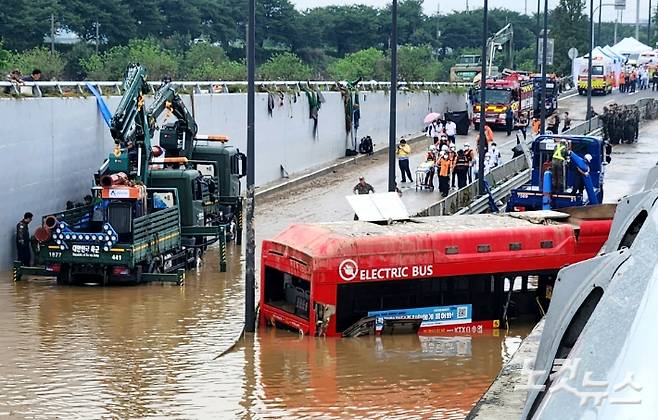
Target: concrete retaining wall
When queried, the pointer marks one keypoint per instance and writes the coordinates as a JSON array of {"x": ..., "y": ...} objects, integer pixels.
[{"x": 50, "y": 147}]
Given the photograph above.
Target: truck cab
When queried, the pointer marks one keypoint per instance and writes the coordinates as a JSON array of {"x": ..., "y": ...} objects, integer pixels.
[
  {"x": 530, "y": 195},
  {"x": 512, "y": 91},
  {"x": 552, "y": 93},
  {"x": 222, "y": 167}
]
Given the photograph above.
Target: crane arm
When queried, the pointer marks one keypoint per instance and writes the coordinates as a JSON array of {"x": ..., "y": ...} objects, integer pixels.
[
  {"x": 166, "y": 98},
  {"x": 502, "y": 38},
  {"x": 129, "y": 119},
  {"x": 176, "y": 138}
]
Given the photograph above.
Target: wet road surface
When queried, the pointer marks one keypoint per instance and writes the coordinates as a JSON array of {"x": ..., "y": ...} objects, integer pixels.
[{"x": 149, "y": 351}]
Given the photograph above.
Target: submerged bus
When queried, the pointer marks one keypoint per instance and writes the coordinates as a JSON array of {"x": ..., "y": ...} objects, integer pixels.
[{"x": 324, "y": 279}]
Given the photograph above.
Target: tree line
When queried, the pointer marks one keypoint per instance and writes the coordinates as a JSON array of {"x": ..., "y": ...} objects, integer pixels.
[{"x": 204, "y": 39}]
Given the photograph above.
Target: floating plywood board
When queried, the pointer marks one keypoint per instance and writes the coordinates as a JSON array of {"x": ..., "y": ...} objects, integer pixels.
[
  {"x": 378, "y": 207},
  {"x": 539, "y": 216}
]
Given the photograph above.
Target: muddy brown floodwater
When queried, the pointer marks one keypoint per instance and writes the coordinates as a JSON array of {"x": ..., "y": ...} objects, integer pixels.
[{"x": 149, "y": 351}]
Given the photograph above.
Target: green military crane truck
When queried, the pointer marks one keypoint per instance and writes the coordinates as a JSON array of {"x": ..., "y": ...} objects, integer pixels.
[{"x": 155, "y": 209}]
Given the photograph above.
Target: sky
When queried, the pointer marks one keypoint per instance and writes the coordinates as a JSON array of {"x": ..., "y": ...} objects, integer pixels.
[{"x": 446, "y": 6}]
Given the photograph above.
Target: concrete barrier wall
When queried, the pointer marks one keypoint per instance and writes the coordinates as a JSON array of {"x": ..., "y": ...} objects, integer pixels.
[{"x": 50, "y": 147}]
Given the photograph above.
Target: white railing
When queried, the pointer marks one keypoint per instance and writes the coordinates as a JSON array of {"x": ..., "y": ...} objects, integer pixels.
[{"x": 109, "y": 88}]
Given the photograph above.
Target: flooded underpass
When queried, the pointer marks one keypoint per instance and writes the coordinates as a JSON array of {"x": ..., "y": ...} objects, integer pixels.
[{"x": 152, "y": 351}]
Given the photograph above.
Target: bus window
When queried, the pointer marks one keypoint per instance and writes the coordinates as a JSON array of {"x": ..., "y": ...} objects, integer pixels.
[
  {"x": 355, "y": 300},
  {"x": 287, "y": 292}
]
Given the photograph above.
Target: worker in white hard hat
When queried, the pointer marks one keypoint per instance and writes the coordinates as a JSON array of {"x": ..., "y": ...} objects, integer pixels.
[{"x": 579, "y": 182}]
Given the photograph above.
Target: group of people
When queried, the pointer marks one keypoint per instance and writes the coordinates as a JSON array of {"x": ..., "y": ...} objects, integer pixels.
[
  {"x": 552, "y": 124},
  {"x": 449, "y": 164},
  {"x": 16, "y": 78},
  {"x": 454, "y": 167},
  {"x": 638, "y": 78}
]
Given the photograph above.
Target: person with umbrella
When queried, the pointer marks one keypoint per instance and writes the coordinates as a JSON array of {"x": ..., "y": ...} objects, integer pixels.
[{"x": 434, "y": 127}]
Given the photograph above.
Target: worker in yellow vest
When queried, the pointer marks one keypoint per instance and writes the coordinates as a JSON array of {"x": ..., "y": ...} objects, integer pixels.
[
  {"x": 558, "y": 160},
  {"x": 403, "y": 152}
]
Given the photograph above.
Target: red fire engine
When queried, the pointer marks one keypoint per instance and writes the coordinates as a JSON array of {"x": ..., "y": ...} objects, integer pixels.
[
  {"x": 322, "y": 279},
  {"x": 513, "y": 91}
]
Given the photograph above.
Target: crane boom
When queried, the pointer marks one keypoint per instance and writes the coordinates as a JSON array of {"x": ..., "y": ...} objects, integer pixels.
[
  {"x": 176, "y": 138},
  {"x": 504, "y": 38}
]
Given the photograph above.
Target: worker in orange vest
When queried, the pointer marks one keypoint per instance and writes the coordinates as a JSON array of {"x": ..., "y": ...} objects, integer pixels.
[
  {"x": 633, "y": 81},
  {"x": 622, "y": 82},
  {"x": 445, "y": 165},
  {"x": 488, "y": 134}
]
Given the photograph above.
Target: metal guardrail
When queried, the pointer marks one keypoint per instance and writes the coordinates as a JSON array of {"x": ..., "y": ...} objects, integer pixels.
[
  {"x": 466, "y": 200},
  {"x": 206, "y": 86}
]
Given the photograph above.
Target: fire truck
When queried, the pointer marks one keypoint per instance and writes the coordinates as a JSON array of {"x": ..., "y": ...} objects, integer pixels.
[
  {"x": 512, "y": 90},
  {"x": 447, "y": 274}
]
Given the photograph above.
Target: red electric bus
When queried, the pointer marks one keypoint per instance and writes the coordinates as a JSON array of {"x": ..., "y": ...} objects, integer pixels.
[{"x": 324, "y": 278}]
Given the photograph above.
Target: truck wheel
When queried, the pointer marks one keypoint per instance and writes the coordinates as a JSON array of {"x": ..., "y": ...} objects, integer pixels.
[
  {"x": 476, "y": 126},
  {"x": 64, "y": 275}
]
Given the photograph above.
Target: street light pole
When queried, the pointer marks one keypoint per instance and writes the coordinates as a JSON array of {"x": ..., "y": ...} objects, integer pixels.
[
  {"x": 394, "y": 93},
  {"x": 544, "y": 52},
  {"x": 482, "y": 143},
  {"x": 250, "y": 257},
  {"x": 537, "y": 40},
  {"x": 649, "y": 26},
  {"x": 589, "y": 66},
  {"x": 598, "y": 28},
  {"x": 637, "y": 20},
  {"x": 616, "y": 21}
]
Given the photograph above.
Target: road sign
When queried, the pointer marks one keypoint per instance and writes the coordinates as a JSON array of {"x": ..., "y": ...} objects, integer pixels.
[
  {"x": 549, "y": 51},
  {"x": 620, "y": 4},
  {"x": 573, "y": 53}
]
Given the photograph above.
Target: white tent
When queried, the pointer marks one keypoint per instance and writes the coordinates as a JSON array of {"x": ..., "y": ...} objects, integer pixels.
[
  {"x": 630, "y": 45},
  {"x": 612, "y": 53}
]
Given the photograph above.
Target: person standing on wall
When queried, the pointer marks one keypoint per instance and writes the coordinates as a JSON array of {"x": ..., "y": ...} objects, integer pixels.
[
  {"x": 23, "y": 239},
  {"x": 509, "y": 120},
  {"x": 403, "y": 152}
]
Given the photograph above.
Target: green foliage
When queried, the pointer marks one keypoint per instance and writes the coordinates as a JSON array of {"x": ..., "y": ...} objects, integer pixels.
[
  {"x": 569, "y": 28},
  {"x": 525, "y": 59},
  {"x": 323, "y": 37},
  {"x": 5, "y": 58},
  {"x": 201, "y": 62},
  {"x": 51, "y": 65},
  {"x": 111, "y": 64},
  {"x": 341, "y": 29},
  {"x": 417, "y": 64},
  {"x": 367, "y": 63},
  {"x": 284, "y": 66},
  {"x": 226, "y": 70},
  {"x": 73, "y": 57}
]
